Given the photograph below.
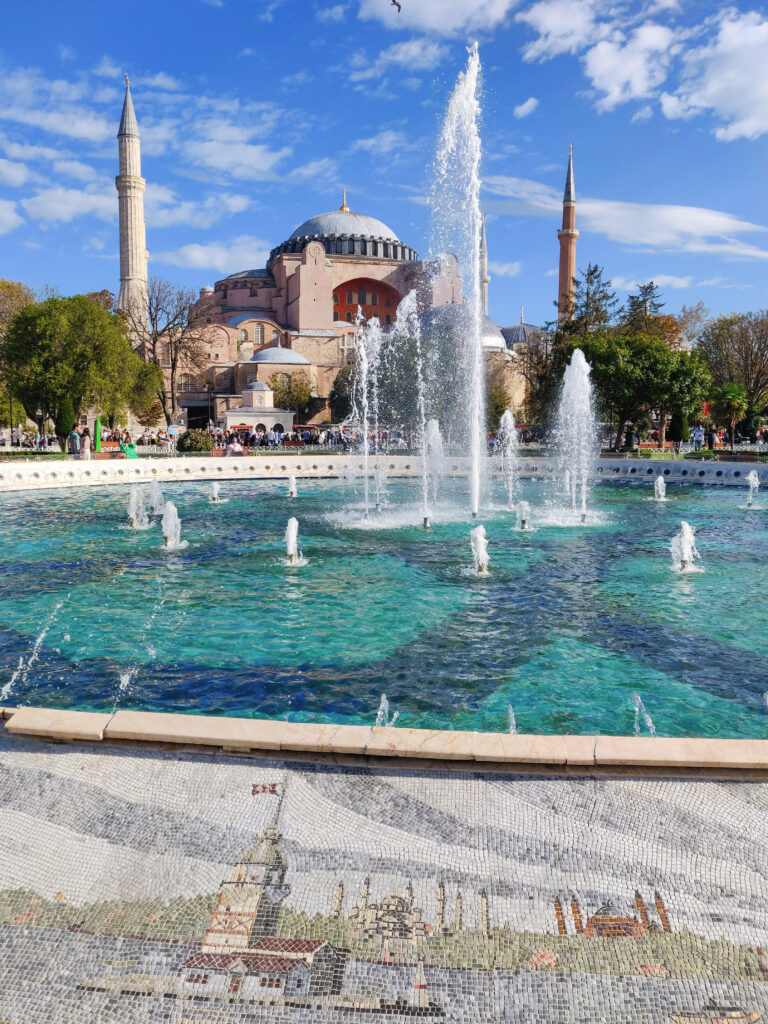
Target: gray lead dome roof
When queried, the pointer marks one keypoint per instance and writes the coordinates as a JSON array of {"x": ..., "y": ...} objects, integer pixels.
[{"x": 344, "y": 222}]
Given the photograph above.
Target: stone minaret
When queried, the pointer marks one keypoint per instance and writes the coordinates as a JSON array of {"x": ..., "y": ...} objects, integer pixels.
[
  {"x": 338, "y": 900},
  {"x": 458, "y": 914},
  {"x": 568, "y": 236},
  {"x": 133, "y": 235},
  {"x": 440, "y": 915},
  {"x": 484, "y": 277},
  {"x": 485, "y": 924}
]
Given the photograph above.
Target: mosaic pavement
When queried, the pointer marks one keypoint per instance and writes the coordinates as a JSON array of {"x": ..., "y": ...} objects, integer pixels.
[{"x": 143, "y": 886}]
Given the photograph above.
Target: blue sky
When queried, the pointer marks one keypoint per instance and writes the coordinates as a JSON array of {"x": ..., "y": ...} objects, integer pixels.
[{"x": 254, "y": 114}]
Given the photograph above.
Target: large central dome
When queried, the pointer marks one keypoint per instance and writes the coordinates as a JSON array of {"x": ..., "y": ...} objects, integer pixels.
[
  {"x": 344, "y": 222},
  {"x": 343, "y": 232}
]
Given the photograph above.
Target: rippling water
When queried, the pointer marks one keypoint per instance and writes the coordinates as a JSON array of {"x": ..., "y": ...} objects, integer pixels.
[{"x": 571, "y": 623}]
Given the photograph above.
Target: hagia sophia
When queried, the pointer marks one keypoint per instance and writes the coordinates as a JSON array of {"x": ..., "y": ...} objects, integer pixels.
[{"x": 298, "y": 312}]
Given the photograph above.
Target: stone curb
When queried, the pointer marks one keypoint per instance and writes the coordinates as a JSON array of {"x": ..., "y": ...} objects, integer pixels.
[{"x": 253, "y": 734}]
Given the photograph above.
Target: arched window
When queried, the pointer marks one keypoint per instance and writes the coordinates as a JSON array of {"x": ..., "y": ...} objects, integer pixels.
[
  {"x": 284, "y": 380},
  {"x": 374, "y": 298},
  {"x": 258, "y": 334},
  {"x": 242, "y": 335},
  {"x": 350, "y": 297},
  {"x": 313, "y": 385},
  {"x": 187, "y": 382},
  {"x": 351, "y": 247},
  {"x": 339, "y": 246},
  {"x": 335, "y": 314},
  {"x": 335, "y": 299},
  {"x": 386, "y": 250},
  {"x": 348, "y": 318},
  {"x": 387, "y": 319},
  {"x": 374, "y": 248},
  {"x": 275, "y": 337},
  {"x": 361, "y": 296}
]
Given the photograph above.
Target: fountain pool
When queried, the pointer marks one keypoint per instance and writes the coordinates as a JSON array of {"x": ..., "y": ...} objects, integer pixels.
[{"x": 571, "y": 624}]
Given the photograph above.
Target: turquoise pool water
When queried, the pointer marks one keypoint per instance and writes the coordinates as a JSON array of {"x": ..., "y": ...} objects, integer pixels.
[{"x": 572, "y": 622}]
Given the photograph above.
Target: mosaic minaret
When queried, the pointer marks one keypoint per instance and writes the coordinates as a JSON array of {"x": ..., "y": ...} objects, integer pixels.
[
  {"x": 132, "y": 299},
  {"x": 568, "y": 236}
]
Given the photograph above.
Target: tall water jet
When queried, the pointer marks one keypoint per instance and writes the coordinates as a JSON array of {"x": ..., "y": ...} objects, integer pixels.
[
  {"x": 523, "y": 515},
  {"x": 457, "y": 229},
  {"x": 753, "y": 480},
  {"x": 509, "y": 446},
  {"x": 292, "y": 491},
  {"x": 683, "y": 548},
  {"x": 511, "y": 720},
  {"x": 156, "y": 500},
  {"x": 215, "y": 498},
  {"x": 637, "y": 700},
  {"x": 172, "y": 528},
  {"x": 367, "y": 339},
  {"x": 480, "y": 550},
  {"x": 660, "y": 489},
  {"x": 433, "y": 465},
  {"x": 292, "y": 542},
  {"x": 137, "y": 513},
  {"x": 576, "y": 431},
  {"x": 383, "y": 717}
]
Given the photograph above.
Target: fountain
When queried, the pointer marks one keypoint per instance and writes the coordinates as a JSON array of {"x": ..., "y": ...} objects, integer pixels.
[
  {"x": 292, "y": 492},
  {"x": 510, "y": 452},
  {"x": 367, "y": 339},
  {"x": 156, "y": 502},
  {"x": 383, "y": 717},
  {"x": 754, "y": 483},
  {"x": 683, "y": 548},
  {"x": 294, "y": 556},
  {"x": 640, "y": 710},
  {"x": 660, "y": 489},
  {"x": 480, "y": 550},
  {"x": 457, "y": 228},
  {"x": 576, "y": 431},
  {"x": 523, "y": 515},
  {"x": 172, "y": 528},
  {"x": 215, "y": 499},
  {"x": 137, "y": 513},
  {"x": 512, "y": 721},
  {"x": 433, "y": 465}
]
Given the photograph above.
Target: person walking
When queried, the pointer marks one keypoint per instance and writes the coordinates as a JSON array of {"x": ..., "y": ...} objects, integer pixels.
[
  {"x": 74, "y": 443},
  {"x": 85, "y": 444}
]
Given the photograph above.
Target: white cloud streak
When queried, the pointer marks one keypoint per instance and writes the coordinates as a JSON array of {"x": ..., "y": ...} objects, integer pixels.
[
  {"x": 244, "y": 251},
  {"x": 439, "y": 17},
  {"x": 524, "y": 109}
]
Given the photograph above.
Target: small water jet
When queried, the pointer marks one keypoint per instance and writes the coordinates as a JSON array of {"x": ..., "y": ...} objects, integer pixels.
[
  {"x": 640, "y": 710},
  {"x": 215, "y": 499},
  {"x": 683, "y": 548},
  {"x": 480, "y": 550},
  {"x": 433, "y": 463},
  {"x": 171, "y": 526},
  {"x": 292, "y": 491},
  {"x": 510, "y": 452},
  {"x": 156, "y": 501},
  {"x": 21, "y": 673},
  {"x": 660, "y": 488},
  {"x": 523, "y": 515},
  {"x": 753, "y": 481},
  {"x": 383, "y": 717},
  {"x": 511, "y": 720},
  {"x": 137, "y": 513},
  {"x": 293, "y": 555},
  {"x": 576, "y": 431}
]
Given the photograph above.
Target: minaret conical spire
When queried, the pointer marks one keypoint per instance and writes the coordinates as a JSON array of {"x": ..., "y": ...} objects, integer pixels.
[
  {"x": 570, "y": 191},
  {"x": 128, "y": 123},
  {"x": 568, "y": 236}
]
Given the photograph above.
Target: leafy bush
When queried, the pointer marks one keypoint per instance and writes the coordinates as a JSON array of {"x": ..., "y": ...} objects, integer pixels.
[
  {"x": 195, "y": 441},
  {"x": 678, "y": 428}
]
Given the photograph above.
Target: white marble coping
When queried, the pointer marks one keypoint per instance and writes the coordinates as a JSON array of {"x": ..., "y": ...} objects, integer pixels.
[
  {"x": 245, "y": 735},
  {"x": 18, "y": 475}
]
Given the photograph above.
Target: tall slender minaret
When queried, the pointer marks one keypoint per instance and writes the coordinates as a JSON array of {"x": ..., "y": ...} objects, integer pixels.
[
  {"x": 133, "y": 234},
  {"x": 484, "y": 278},
  {"x": 568, "y": 236}
]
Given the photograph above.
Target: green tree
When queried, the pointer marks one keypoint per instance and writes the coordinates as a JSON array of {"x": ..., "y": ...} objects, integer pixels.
[
  {"x": 679, "y": 429},
  {"x": 340, "y": 398},
  {"x": 295, "y": 395},
  {"x": 730, "y": 403},
  {"x": 496, "y": 404},
  {"x": 65, "y": 421},
  {"x": 736, "y": 350},
  {"x": 643, "y": 306},
  {"x": 595, "y": 306},
  {"x": 678, "y": 383},
  {"x": 67, "y": 348},
  {"x": 14, "y": 296}
]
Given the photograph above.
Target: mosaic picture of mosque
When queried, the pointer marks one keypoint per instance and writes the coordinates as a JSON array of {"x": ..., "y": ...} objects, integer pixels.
[{"x": 193, "y": 888}]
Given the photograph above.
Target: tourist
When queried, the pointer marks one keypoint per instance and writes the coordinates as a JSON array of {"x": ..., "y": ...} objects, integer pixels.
[
  {"x": 698, "y": 438},
  {"x": 711, "y": 439},
  {"x": 74, "y": 443},
  {"x": 85, "y": 444},
  {"x": 272, "y": 436}
]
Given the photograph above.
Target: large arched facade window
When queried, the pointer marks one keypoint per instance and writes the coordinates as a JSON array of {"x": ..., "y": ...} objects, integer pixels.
[
  {"x": 187, "y": 382},
  {"x": 258, "y": 334}
]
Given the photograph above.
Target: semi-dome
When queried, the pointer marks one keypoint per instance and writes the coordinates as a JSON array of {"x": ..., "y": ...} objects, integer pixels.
[
  {"x": 278, "y": 354},
  {"x": 344, "y": 232},
  {"x": 520, "y": 334},
  {"x": 459, "y": 319}
]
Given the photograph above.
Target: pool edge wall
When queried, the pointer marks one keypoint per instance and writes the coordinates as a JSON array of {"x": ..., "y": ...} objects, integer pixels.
[{"x": 264, "y": 736}]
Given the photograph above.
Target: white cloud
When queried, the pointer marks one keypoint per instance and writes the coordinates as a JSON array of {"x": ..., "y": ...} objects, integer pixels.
[
  {"x": 161, "y": 81},
  {"x": 660, "y": 227},
  {"x": 61, "y": 205},
  {"x": 628, "y": 284},
  {"x": 524, "y": 109},
  {"x": 625, "y": 69},
  {"x": 107, "y": 68},
  {"x": 442, "y": 17},
  {"x": 214, "y": 3},
  {"x": 243, "y": 160},
  {"x": 643, "y": 114},
  {"x": 729, "y": 76},
  {"x": 414, "y": 54},
  {"x": 13, "y": 173},
  {"x": 164, "y": 208},
  {"x": 505, "y": 269},
  {"x": 75, "y": 169},
  {"x": 335, "y": 13},
  {"x": 66, "y": 53},
  {"x": 321, "y": 171},
  {"x": 299, "y": 78},
  {"x": 563, "y": 26},
  {"x": 243, "y": 251},
  {"x": 9, "y": 218},
  {"x": 383, "y": 144}
]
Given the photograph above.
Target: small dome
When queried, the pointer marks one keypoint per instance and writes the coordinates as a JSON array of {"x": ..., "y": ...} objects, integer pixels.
[
  {"x": 206, "y": 290},
  {"x": 266, "y": 851},
  {"x": 278, "y": 354},
  {"x": 258, "y": 385},
  {"x": 343, "y": 222},
  {"x": 520, "y": 334}
]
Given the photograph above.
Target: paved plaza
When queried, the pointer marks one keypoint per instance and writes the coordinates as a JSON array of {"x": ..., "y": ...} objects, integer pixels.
[{"x": 148, "y": 886}]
